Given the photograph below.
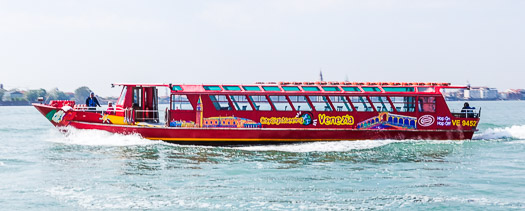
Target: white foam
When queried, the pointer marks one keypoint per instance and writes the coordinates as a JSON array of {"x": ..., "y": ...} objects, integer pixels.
[
  {"x": 335, "y": 146},
  {"x": 103, "y": 201},
  {"x": 97, "y": 138},
  {"x": 2, "y": 163},
  {"x": 516, "y": 132}
]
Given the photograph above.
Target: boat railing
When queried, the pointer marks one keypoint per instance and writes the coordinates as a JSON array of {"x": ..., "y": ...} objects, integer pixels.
[
  {"x": 101, "y": 110},
  {"x": 131, "y": 115},
  {"x": 146, "y": 115},
  {"x": 467, "y": 113}
]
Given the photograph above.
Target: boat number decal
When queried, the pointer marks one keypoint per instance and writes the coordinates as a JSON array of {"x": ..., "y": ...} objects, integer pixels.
[
  {"x": 426, "y": 120},
  {"x": 469, "y": 123},
  {"x": 336, "y": 120}
]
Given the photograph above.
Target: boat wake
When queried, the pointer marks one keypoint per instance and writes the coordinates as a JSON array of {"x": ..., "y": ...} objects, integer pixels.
[
  {"x": 513, "y": 132},
  {"x": 97, "y": 138},
  {"x": 336, "y": 146}
]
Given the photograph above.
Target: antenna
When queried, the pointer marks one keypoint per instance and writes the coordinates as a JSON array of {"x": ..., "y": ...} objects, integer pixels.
[{"x": 321, "y": 74}]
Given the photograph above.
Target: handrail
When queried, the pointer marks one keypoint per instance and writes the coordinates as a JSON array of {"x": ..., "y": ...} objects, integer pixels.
[{"x": 467, "y": 113}]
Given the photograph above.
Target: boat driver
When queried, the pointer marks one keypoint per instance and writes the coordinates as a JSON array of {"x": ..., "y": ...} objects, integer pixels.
[
  {"x": 469, "y": 111},
  {"x": 92, "y": 102}
]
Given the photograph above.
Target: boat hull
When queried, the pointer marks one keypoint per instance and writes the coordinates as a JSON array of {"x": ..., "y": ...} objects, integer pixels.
[
  {"x": 244, "y": 135},
  {"x": 226, "y": 136}
]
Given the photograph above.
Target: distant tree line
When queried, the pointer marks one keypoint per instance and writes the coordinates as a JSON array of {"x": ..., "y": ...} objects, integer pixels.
[{"x": 31, "y": 96}]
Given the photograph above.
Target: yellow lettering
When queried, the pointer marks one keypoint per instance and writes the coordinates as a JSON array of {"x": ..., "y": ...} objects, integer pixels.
[
  {"x": 336, "y": 120},
  {"x": 469, "y": 123}
]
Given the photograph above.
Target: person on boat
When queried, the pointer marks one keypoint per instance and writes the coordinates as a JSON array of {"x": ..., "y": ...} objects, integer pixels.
[
  {"x": 110, "y": 110},
  {"x": 469, "y": 111},
  {"x": 92, "y": 101}
]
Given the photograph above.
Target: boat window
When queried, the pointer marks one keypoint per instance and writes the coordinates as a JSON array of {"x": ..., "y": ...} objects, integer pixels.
[
  {"x": 398, "y": 89},
  {"x": 240, "y": 102},
  {"x": 137, "y": 97},
  {"x": 180, "y": 102},
  {"x": 340, "y": 103},
  {"x": 251, "y": 88},
  {"x": 425, "y": 89},
  {"x": 300, "y": 103},
  {"x": 271, "y": 88},
  {"x": 232, "y": 88},
  {"x": 351, "y": 89},
  {"x": 320, "y": 103},
  {"x": 291, "y": 88},
  {"x": 280, "y": 102},
  {"x": 381, "y": 104},
  {"x": 404, "y": 104},
  {"x": 311, "y": 88},
  {"x": 361, "y": 103},
  {"x": 331, "y": 88},
  {"x": 176, "y": 88},
  {"x": 427, "y": 104},
  {"x": 122, "y": 96},
  {"x": 220, "y": 102},
  {"x": 371, "y": 89},
  {"x": 212, "y": 88},
  {"x": 260, "y": 103}
]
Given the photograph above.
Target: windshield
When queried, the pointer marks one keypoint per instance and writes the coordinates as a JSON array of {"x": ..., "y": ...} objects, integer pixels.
[{"x": 122, "y": 96}]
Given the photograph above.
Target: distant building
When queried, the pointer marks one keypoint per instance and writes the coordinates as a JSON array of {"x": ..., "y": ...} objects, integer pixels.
[
  {"x": 481, "y": 93},
  {"x": 12, "y": 95},
  {"x": 514, "y": 94},
  {"x": 1, "y": 86}
]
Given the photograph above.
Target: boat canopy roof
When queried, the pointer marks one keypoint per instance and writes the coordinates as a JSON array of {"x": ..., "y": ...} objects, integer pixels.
[
  {"x": 320, "y": 86},
  {"x": 140, "y": 85}
]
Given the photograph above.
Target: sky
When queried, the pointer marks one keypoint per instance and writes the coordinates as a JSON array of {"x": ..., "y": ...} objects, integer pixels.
[{"x": 70, "y": 43}]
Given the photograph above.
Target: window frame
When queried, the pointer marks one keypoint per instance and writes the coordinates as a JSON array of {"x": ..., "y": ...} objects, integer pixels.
[
  {"x": 361, "y": 103},
  {"x": 347, "y": 103},
  {"x": 326, "y": 101},
  {"x": 230, "y": 106},
  {"x": 281, "y": 101},
  {"x": 258, "y": 107},
  {"x": 173, "y": 103},
  {"x": 235, "y": 103},
  {"x": 306, "y": 101}
]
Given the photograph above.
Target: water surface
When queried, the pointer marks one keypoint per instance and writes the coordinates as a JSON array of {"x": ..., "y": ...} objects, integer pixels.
[{"x": 43, "y": 169}]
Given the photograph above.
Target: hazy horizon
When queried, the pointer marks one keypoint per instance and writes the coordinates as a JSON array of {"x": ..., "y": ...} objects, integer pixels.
[{"x": 68, "y": 44}]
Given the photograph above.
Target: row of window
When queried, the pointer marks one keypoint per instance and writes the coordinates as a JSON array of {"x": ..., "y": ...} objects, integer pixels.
[
  {"x": 310, "y": 88},
  {"x": 310, "y": 103}
]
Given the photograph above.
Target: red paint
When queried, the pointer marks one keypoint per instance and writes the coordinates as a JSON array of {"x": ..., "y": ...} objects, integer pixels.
[{"x": 334, "y": 125}]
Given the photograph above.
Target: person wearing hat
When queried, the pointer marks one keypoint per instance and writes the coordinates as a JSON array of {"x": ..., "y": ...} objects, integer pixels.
[{"x": 92, "y": 101}]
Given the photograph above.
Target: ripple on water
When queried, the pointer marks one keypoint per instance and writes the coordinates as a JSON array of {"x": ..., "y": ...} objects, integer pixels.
[{"x": 335, "y": 146}]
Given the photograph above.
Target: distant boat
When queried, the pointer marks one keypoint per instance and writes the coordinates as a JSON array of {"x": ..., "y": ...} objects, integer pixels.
[{"x": 276, "y": 112}]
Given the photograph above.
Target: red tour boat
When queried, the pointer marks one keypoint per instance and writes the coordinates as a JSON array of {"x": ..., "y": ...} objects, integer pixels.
[{"x": 276, "y": 112}]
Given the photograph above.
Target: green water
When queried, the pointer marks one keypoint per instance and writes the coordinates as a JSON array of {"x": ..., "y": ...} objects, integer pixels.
[{"x": 42, "y": 169}]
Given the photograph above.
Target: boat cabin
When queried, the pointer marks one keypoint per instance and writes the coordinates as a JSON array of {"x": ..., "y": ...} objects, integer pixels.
[
  {"x": 291, "y": 104},
  {"x": 139, "y": 101}
]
